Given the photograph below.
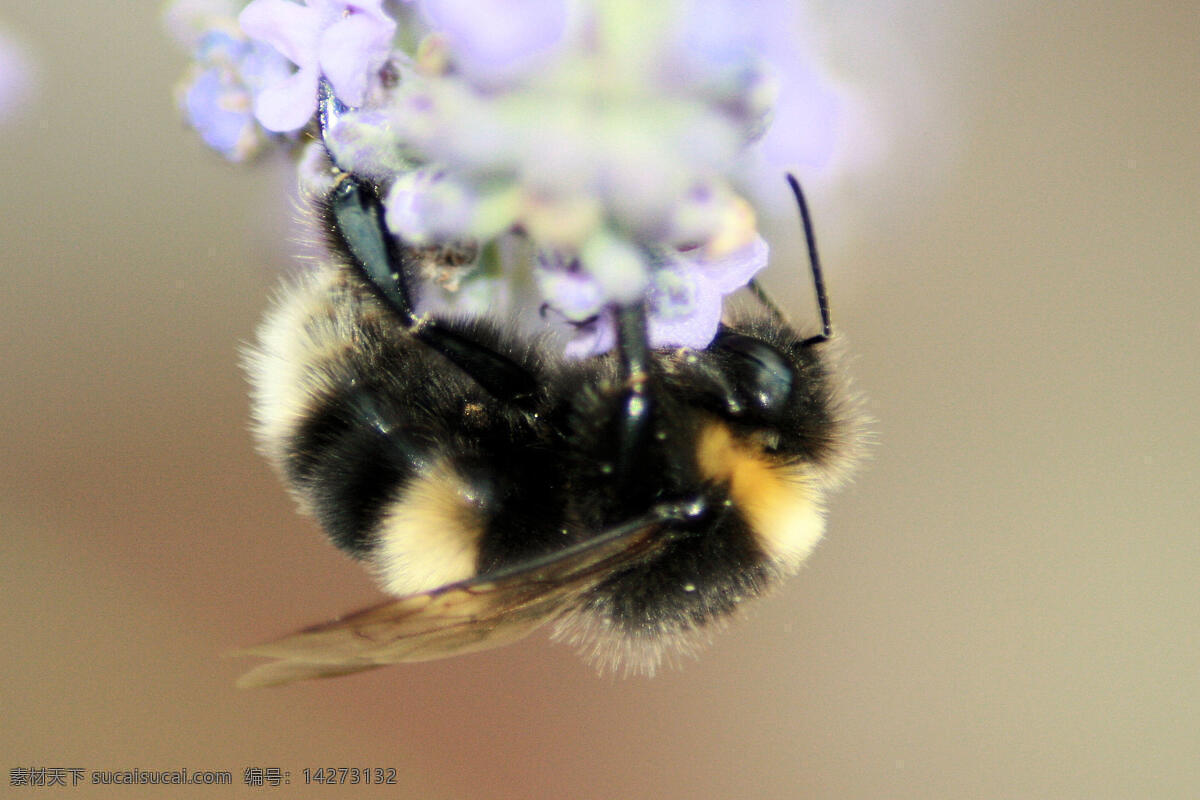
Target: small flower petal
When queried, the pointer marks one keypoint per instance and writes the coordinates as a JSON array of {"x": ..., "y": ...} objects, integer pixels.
[
  {"x": 568, "y": 290},
  {"x": 428, "y": 205},
  {"x": 805, "y": 120},
  {"x": 351, "y": 50},
  {"x": 223, "y": 126},
  {"x": 732, "y": 271},
  {"x": 289, "y": 104},
  {"x": 684, "y": 310},
  {"x": 362, "y": 142},
  {"x": 593, "y": 338},
  {"x": 734, "y": 229},
  {"x": 291, "y": 29},
  {"x": 479, "y": 295},
  {"x": 493, "y": 40},
  {"x": 349, "y": 42}
]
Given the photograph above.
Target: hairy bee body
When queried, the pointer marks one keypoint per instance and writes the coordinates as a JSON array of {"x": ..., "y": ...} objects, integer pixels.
[
  {"x": 405, "y": 461},
  {"x": 635, "y": 498},
  {"x": 761, "y": 476},
  {"x": 412, "y": 467}
]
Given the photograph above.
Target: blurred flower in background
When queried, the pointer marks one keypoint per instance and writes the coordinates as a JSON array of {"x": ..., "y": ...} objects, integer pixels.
[
  {"x": 17, "y": 77},
  {"x": 228, "y": 71},
  {"x": 615, "y": 141}
]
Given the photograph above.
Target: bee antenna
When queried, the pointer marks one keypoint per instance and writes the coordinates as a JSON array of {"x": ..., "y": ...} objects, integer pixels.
[{"x": 815, "y": 262}]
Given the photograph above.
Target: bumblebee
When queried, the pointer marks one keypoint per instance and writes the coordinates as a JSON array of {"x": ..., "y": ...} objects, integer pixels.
[{"x": 636, "y": 499}]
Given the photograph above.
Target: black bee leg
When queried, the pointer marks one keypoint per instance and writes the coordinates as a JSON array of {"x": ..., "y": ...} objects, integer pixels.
[
  {"x": 636, "y": 405},
  {"x": 503, "y": 378},
  {"x": 358, "y": 220},
  {"x": 358, "y": 217},
  {"x": 765, "y": 300}
]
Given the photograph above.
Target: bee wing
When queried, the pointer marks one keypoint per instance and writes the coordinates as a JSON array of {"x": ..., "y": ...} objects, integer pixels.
[{"x": 476, "y": 614}]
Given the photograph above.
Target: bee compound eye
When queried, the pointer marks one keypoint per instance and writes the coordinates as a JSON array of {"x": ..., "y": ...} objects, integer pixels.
[{"x": 760, "y": 376}]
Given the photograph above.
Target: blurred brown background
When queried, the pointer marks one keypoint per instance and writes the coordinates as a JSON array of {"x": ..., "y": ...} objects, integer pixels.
[{"x": 1007, "y": 602}]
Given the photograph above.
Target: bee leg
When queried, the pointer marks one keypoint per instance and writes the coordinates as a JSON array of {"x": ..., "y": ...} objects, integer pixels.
[
  {"x": 637, "y": 405},
  {"x": 358, "y": 222},
  {"x": 764, "y": 299},
  {"x": 503, "y": 378},
  {"x": 358, "y": 219}
]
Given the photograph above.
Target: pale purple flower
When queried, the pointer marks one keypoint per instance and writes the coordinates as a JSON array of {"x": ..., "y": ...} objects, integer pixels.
[
  {"x": 494, "y": 41},
  {"x": 698, "y": 213},
  {"x": 805, "y": 119},
  {"x": 684, "y": 300},
  {"x": 363, "y": 143},
  {"x": 212, "y": 108},
  {"x": 750, "y": 58},
  {"x": 346, "y": 42},
  {"x": 593, "y": 337},
  {"x": 217, "y": 96},
  {"x": 687, "y": 292},
  {"x": 425, "y": 205},
  {"x": 431, "y": 205},
  {"x": 607, "y": 137},
  {"x": 569, "y": 291}
]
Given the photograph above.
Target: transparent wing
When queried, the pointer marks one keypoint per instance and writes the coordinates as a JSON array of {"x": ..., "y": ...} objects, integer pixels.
[{"x": 476, "y": 614}]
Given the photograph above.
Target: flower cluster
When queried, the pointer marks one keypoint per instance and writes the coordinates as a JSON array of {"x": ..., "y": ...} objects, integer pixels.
[{"x": 606, "y": 137}]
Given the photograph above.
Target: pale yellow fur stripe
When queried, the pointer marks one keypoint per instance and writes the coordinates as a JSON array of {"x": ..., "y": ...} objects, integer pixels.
[
  {"x": 430, "y": 536},
  {"x": 779, "y": 501}
]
